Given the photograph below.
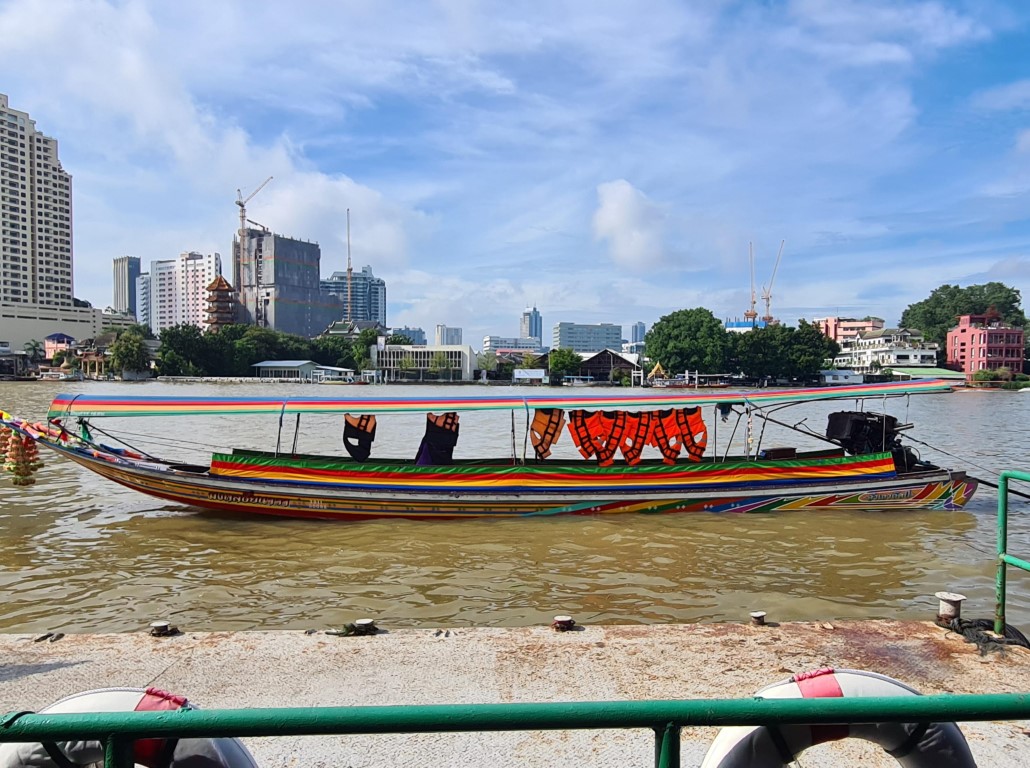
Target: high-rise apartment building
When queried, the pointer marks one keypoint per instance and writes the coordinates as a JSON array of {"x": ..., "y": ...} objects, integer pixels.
[
  {"x": 35, "y": 215},
  {"x": 446, "y": 335},
  {"x": 278, "y": 284},
  {"x": 417, "y": 335},
  {"x": 532, "y": 325},
  {"x": 581, "y": 337},
  {"x": 638, "y": 331},
  {"x": 178, "y": 290},
  {"x": 143, "y": 300},
  {"x": 367, "y": 292},
  {"x": 126, "y": 270}
]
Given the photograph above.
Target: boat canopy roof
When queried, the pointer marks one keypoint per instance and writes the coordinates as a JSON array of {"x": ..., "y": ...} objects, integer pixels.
[{"x": 87, "y": 405}]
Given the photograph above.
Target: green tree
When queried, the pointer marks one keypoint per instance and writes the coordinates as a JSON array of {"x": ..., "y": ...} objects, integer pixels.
[
  {"x": 689, "y": 340},
  {"x": 938, "y": 313},
  {"x": 486, "y": 361},
  {"x": 405, "y": 365},
  {"x": 563, "y": 362},
  {"x": 438, "y": 363},
  {"x": 530, "y": 361},
  {"x": 398, "y": 339},
  {"x": 130, "y": 353},
  {"x": 183, "y": 351},
  {"x": 808, "y": 350},
  {"x": 34, "y": 349}
]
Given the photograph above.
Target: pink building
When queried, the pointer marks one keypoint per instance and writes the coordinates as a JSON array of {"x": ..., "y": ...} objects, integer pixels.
[
  {"x": 840, "y": 328},
  {"x": 56, "y": 342},
  {"x": 983, "y": 342}
]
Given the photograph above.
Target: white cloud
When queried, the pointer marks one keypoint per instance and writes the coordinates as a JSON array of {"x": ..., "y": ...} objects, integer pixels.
[
  {"x": 1003, "y": 98},
  {"x": 1023, "y": 142},
  {"x": 484, "y": 149},
  {"x": 630, "y": 223}
]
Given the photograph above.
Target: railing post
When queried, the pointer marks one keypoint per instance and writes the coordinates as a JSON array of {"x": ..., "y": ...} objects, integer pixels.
[
  {"x": 1003, "y": 534},
  {"x": 118, "y": 752},
  {"x": 667, "y": 746}
]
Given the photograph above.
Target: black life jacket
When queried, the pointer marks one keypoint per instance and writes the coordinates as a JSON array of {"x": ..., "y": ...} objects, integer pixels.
[
  {"x": 358, "y": 434},
  {"x": 437, "y": 447}
]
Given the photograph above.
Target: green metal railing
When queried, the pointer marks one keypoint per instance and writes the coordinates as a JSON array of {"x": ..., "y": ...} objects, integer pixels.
[
  {"x": 118, "y": 730},
  {"x": 1004, "y": 558}
]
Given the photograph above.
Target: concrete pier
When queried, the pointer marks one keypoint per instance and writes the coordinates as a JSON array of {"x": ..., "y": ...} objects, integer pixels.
[{"x": 484, "y": 665}]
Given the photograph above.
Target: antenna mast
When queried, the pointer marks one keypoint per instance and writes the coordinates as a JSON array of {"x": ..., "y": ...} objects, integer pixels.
[
  {"x": 751, "y": 314},
  {"x": 349, "y": 271}
]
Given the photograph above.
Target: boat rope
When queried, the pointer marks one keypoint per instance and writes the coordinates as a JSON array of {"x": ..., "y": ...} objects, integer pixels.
[
  {"x": 971, "y": 463},
  {"x": 95, "y": 428},
  {"x": 979, "y": 631},
  {"x": 525, "y": 440}
]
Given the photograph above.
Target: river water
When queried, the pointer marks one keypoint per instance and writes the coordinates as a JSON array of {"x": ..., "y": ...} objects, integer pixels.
[{"x": 81, "y": 554}]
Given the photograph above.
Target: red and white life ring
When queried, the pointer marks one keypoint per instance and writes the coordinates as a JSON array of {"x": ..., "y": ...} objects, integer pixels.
[
  {"x": 150, "y": 753},
  {"x": 913, "y": 745}
]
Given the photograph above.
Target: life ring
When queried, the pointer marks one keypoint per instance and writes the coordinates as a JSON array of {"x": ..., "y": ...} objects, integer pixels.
[
  {"x": 913, "y": 745},
  {"x": 151, "y": 753}
]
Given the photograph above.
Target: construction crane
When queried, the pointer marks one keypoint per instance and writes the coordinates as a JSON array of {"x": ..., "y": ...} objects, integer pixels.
[
  {"x": 767, "y": 318},
  {"x": 349, "y": 272},
  {"x": 751, "y": 314},
  {"x": 242, "y": 201}
]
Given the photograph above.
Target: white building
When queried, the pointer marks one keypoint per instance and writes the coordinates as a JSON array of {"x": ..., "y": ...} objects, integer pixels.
[
  {"x": 35, "y": 215},
  {"x": 443, "y": 361},
  {"x": 143, "y": 299},
  {"x": 581, "y": 337},
  {"x": 36, "y": 240},
  {"x": 496, "y": 343},
  {"x": 178, "y": 289},
  {"x": 447, "y": 336},
  {"x": 871, "y": 351}
]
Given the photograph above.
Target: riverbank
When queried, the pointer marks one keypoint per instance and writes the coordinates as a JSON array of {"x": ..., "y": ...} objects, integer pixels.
[{"x": 485, "y": 665}]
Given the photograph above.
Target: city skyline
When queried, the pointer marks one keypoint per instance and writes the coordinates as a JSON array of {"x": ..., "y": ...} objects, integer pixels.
[{"x": 605, "y": 167}]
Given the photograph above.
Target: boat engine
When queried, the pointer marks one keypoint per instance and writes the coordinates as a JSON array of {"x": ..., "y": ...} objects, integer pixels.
[{"x": 861, "y": 432}]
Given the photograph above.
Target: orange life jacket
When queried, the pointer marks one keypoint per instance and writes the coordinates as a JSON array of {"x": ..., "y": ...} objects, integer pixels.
[
  {"x": 665, "y": 435},
  {"x": 635, "y": 435},
  {"x": 693, "y": 432},
  {"x": 606, "y": 428},
  {"x": 358, "y": 434},
  {"x": 545, "y": 430},
  {"x": 581, "y": 433}
]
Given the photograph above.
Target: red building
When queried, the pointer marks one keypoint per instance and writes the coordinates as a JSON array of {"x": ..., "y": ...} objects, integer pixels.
[{"x": 984, "y": 342}]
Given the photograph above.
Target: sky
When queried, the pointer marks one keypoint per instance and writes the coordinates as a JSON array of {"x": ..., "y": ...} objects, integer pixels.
[{"x": 603, "y": 161}]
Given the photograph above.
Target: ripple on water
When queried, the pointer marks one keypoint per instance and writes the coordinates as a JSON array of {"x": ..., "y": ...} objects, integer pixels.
[{"x": 80, "y": 554}]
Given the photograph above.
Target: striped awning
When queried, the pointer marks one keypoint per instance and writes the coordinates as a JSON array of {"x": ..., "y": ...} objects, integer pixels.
[{"x": 89, "y": 405}]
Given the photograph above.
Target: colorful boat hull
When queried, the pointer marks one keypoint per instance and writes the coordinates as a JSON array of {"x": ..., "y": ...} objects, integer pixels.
[{"x": 336, "y": 489}]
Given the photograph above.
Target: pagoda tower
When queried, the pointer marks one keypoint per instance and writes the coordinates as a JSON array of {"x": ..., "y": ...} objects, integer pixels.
[{"x": 221, "y": 304}]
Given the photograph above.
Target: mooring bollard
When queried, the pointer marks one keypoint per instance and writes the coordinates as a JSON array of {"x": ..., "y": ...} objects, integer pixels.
[
  {"x": 758, "y": 618},
  {"x": 950, "y": 607},
  {"x": 563, "y": 623}
]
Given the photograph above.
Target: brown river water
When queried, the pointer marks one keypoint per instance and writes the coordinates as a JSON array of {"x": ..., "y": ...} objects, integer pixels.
[{"x": 81, "y": 554}]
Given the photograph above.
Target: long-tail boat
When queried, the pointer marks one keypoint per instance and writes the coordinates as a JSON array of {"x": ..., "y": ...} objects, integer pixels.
[{"x": 642, "y": 454}]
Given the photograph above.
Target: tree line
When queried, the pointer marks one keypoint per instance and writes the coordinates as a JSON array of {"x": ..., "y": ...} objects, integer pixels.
[
  {"x": 684, "y": 340},
  {"x": 695, "y": 340}
]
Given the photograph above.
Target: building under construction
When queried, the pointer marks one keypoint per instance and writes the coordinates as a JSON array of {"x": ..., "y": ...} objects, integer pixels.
[
  {"x": 367, "y": 294},
  {"x": 278, "y": 282}
]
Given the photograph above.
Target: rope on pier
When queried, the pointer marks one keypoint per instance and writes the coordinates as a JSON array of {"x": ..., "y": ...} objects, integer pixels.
[{"x": 980, "y": 632}]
